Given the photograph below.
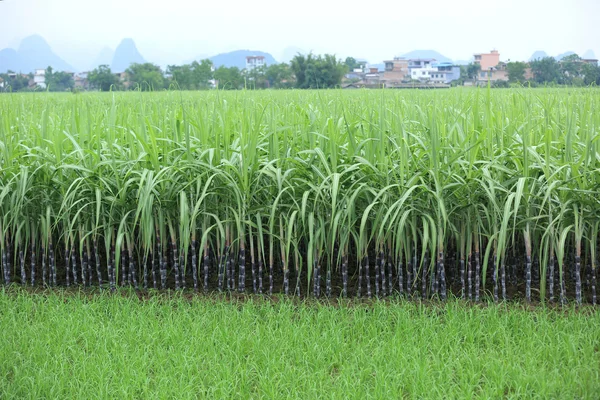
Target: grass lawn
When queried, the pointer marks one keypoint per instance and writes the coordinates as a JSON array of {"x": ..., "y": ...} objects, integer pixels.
[{"x": 76, "y": 345}]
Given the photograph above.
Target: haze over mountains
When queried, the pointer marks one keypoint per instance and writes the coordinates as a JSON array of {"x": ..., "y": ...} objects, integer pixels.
[{"x": 34, "y": 52}]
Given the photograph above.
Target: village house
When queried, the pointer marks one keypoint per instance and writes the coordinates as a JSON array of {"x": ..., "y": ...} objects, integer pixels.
[{"x": 253, "y": 62}]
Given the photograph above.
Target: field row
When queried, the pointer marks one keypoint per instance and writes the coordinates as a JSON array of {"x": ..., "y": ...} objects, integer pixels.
[{"x": 329, "y": 192}]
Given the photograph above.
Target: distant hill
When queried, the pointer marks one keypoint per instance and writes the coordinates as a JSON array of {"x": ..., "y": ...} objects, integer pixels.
[
  {"x": 33, "y": 52},
  {"x": 563, "y": 55},
  {"x": 290, "y": 52},
  {"x": 538, "y": 55},
  {"x": 105, "y": 57},
  {"x": 426, "y": 54},
  {"x": 237, "y": 58},
  {"x": 589, "y": 55},
  {"x": 125, "y": 55}
]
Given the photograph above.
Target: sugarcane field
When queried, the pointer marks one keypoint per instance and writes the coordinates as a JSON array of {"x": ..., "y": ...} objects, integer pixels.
[{"x": 300, "y": 244}]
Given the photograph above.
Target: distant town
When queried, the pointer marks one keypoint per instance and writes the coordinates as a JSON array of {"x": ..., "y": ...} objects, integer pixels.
[{"x": 316, "y": 71}]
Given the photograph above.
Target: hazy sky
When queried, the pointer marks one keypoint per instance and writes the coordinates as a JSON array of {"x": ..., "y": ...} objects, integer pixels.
[{"x": 174, "y": 31}]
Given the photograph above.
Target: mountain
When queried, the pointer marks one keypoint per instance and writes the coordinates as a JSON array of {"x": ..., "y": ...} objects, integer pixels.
[
  {"x": 238, "y": 58},
  {"x": 290, "y": 52},
  {"x": 426, "y": 54},
  {"x": 589, "y": 55},
  {"x": 10, "y": 60},
  {"x": 125, "y": 55},
  {"x": 563, "y": 55},
  {"x": 538, "y": 55},
  {"x": 103, "y": 58},
  {"x": 33, "y": 52}
]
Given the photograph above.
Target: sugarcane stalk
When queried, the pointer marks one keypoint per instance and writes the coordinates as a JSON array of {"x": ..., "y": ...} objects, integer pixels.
[
  {"x": 551, "y": 274},
  {"x": 360, "y": 270},
  {"x": 68, "y": 263},
  {"x": 52, "y": 262},
  {"x": 242, "y": 269},
  {"x": 253, "y": 264},
  {"x": 527, "y": 267},
  {"x": 367, "y": 276},
  {"x": 377, "y": 274},
  {"x": 400, "y": 276},
  {"x": 125, "y": 279},
  {"x": 44, "y": 267},
  {"x": 424, "y": 277},
  {"x": 206, "y": 265},
  {"x": 345, "y": 274},
  {"x": 194, "y": 263},
  {"x": 22, "y": 265},
  {"x": 32, "y": 261},
  {"x": 442, "y": 273}
]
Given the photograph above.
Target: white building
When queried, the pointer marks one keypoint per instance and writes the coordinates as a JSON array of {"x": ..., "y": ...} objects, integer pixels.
[
  {"x": 253, "y": 62},
  {"x": 420, "y": 69},
  {"x": 39, "y": 78}
]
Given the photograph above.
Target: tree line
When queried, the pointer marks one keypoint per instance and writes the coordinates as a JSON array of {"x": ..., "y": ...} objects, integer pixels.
[
  {"x": 303, "y": 72},
  {"x": 570, "y": 71}
]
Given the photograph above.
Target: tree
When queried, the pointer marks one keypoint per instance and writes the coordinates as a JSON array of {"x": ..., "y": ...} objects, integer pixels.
[
  {"x": 279, "y": 75},
  {"x": 202, "y": 73},
  {"x": 102, "y": 78},
  {"x": 516, "y": 71},
  {"x": 229, "y": 77},
  {"x": 14, "y": 82},
  {"x": 196, "y": 75},
  {"x": 469, "y": 72},
  {"x": 146, "y": 76},
  {"x": 570, "y": 67},
  {"x": 58, "y": 81},
  {"x": 317, "y": 72},
  {"x": 351, "y": 63},
  {"x": 546, "y": 70},
  {"x": 591, "y": 74},
  {"x": 256, "y": 77}
]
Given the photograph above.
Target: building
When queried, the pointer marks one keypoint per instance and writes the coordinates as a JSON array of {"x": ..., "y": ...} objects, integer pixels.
[
  {"x": 487, "y": 60},
  {"x": 421, "y": 69},
  {"x": 253, "y": 62},
  {"x": 81, "y": 80},
  {"x": 39, "y": 78},
  {"x": 444, "y": 72},
  {"x": 396, "y": 71}
]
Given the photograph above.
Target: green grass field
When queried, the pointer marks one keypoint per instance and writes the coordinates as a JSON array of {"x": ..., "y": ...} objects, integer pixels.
[{"x": 64, "y": 345}]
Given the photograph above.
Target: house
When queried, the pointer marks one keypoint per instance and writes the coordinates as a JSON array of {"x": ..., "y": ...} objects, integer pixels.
[
  {"x": 81, "y": 80},
  {"x": 253, "y": 62},
  {"x": 444, "y": 72},
  {"x": 487, "y": 60},
  {"x": 421, "y": 68},
  {"x": 396, "y": 71},
  {"x": 39, "y": 78}
]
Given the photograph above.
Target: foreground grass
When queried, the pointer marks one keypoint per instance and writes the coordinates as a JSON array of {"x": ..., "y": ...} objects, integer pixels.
[{"x": 57, "y": 345}]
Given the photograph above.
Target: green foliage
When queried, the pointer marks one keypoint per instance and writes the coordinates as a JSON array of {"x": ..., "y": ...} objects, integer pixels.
[
  {"x": 145, "y": 76},
  {"x": 14, "y": 82},
  {"x": 279, "y": 76},
  {"x": 470, "y": 71},
  {"x": 58, "y": 81},
  {"x": 351, "y": 63},
  {"x": 229, "y": 78},
  {"x": 196, "y": 75},
  {"x": 102, "y": 78},
  {"x": 591, "y": 74},
  {"x": 516, "y": 71},
  {"x": 322, "y": 71},
  {"x": 546, "y": 70}
]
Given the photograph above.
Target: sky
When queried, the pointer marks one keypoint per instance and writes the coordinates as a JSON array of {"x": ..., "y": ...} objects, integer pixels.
[{"x": 176, "y": 31}]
